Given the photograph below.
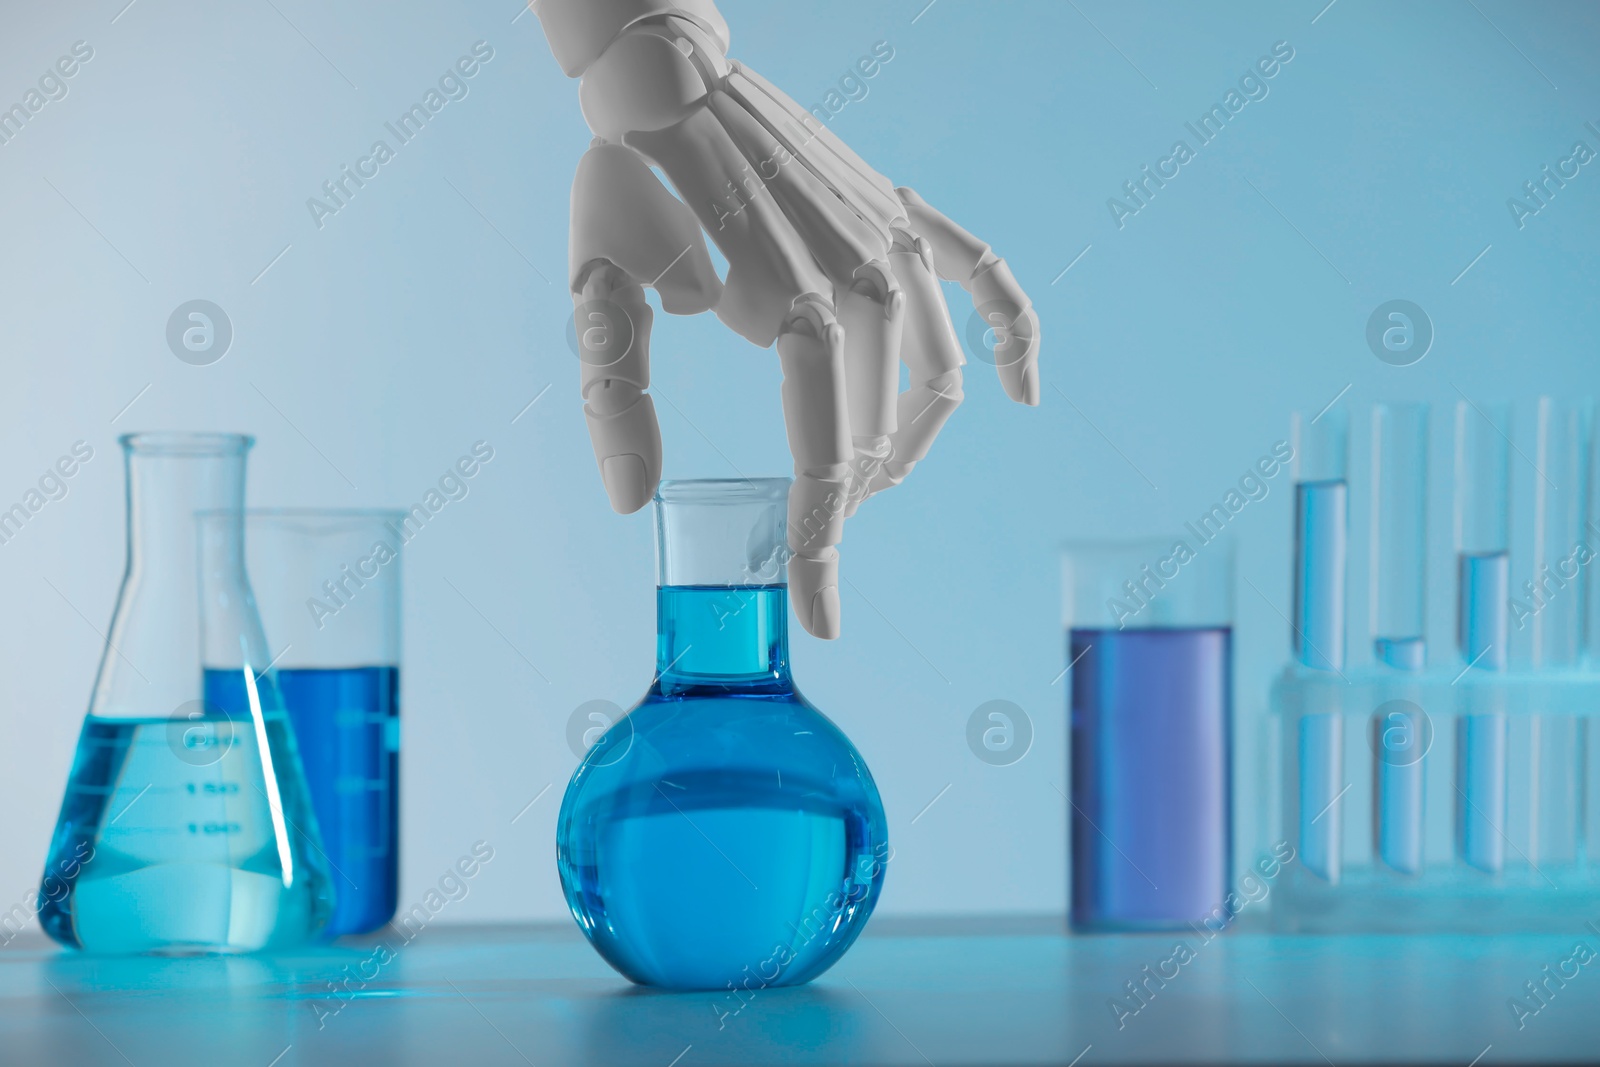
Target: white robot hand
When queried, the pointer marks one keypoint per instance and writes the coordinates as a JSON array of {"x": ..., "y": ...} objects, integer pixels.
[{"x": 825, "y": 256}]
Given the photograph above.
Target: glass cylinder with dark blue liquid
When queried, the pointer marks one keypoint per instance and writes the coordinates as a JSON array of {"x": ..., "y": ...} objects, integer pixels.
[
  {"x": 329, "y": 591},
  {"x": 722, "y": 835},
  {"x": 1149, "y": 649}
]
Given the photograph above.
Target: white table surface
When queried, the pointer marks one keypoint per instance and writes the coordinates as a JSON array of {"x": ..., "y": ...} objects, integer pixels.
[{"x": 911, "y": 992}]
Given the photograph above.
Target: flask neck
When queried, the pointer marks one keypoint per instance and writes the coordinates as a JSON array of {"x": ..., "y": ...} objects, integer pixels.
[
  {"x": 185, "y": 493},
  {"x": 722, "y": 637},
  {"x": 166, "y": 493},
  {"x": 721, "y": 605}
]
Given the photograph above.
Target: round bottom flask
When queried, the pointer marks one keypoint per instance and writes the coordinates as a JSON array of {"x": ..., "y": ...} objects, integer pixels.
[{"x": 722, "y": 834}]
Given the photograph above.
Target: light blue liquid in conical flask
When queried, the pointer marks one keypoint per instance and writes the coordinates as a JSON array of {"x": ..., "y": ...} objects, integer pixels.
[
  {"x": 186, "y": 825},
  {"x": 723, "y": 834}
]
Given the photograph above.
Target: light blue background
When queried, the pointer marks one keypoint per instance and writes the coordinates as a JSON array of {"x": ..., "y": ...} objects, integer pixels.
[{"x": 429, "y": 312}]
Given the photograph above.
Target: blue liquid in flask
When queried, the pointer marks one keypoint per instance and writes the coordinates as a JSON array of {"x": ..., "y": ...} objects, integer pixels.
[
  {"x": 723, "y": 833},
  {"x": 347, "y": 726},
  {"x": 180, "y": 834},
  {"x": 1151, "y": 723}
]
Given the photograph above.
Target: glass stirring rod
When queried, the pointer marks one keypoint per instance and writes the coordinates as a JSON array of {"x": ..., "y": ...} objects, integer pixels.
[
  {"x": 1322, "y": 530},
  {"x": 1399, "y": 600},
  {"x": 1483, "y": 498}
]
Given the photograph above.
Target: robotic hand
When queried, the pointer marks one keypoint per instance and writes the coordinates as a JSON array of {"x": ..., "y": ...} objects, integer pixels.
[{"x": 824, "y": 256}]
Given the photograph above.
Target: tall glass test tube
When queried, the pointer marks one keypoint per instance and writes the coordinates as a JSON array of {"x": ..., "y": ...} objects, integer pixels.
[
  {"x": 1483, "y": 547},
  {"x": 1399, "y": 605},
  {"x": 1551, "y": 602},
  {"x": 1149, "y": 647},
  {"x": 1322, "y": 533},
  {"x": 1591, "y": 748},
  {"x": 1399, "y": 534},
  {"x": 1321, "y": 551},
  {"x": 1591, "y": 626}
]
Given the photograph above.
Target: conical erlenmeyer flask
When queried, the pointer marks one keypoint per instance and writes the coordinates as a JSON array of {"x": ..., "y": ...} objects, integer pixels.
[
  {"x": 185, "y": 826},
  {"x": 723, "y": 834}
]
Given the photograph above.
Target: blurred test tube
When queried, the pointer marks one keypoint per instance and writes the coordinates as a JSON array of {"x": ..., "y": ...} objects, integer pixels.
[
  {"x": 1590, "y": 747},
  {"x": 1551, "y": 603},
  {"x": 1399, "y": 602},
  {"x": 1400, "y": 534},
  {"x": 1591, "y": 539},
  {"x": 1483, "y": 501},
  {"x": 1322, "y": 531}
]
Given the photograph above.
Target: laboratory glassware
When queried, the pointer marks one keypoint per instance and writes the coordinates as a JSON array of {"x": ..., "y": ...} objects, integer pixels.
[
  {"x": 1483, "y": 553},
  {"x": 1468, "y": 797},
  {"x": 1398, "y": 597},
  {"x": 1545, "y": 788},
  {"x": 723, "y": 834},
  {"x": 1399, "y": 584},
  {"x": 1552, "y": 604},
  {"x": 1322, "y": 533},
  {"x": 1149, "y": 654},
  {"x": 186, "y": 825},
  {"x": 1588, "y": 585},
  {"x": 328, "y": 587},
  {"x": 1321, "y": 555}
]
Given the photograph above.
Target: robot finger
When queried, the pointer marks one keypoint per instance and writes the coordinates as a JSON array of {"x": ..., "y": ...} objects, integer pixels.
[
  {"x": 960, "y": 257},
  {"x": 933, "y": 360},
  {"x": 816, "y": 415}
]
